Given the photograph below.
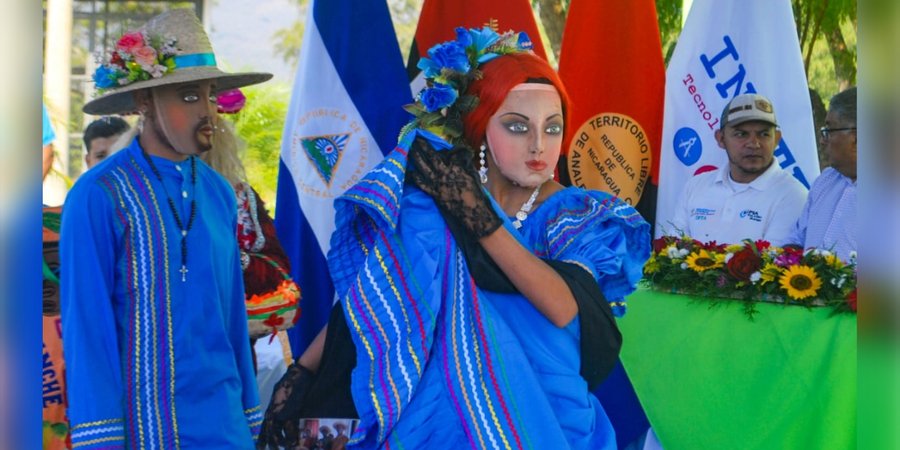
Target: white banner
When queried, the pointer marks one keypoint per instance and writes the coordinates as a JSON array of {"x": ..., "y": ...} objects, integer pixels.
[{"x": 727, "y": 48}]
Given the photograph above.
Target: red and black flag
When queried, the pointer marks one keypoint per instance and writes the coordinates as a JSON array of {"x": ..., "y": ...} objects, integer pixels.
[
  {"x": 612, "y": 65},
  {"x": 439, "y": 19}
]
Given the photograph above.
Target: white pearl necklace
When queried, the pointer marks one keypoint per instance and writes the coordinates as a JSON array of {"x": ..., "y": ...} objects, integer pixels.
[{"x": 526, "y": 207}]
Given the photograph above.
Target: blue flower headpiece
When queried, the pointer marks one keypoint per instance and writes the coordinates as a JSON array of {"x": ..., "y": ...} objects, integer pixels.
[{"x": 449, "y": 68}]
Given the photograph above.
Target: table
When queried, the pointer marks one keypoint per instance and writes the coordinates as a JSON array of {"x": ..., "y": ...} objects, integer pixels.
[{"x": 710, "y": 378}]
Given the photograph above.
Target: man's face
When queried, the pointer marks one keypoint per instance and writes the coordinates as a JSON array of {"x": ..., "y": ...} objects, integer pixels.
[
  {"x": 184, "y": 114},
  {"x": 840, "y": 147},
  {"x": 750, "y": 147},
  {"x": 99, "y": 149}
]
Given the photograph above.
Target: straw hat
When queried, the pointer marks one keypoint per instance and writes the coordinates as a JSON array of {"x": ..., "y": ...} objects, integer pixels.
[{"x": 182, "y": 53}]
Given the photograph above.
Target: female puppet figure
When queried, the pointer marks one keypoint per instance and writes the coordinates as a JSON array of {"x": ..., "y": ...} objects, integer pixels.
[
  {"x": 479, "y": 302},
  {"x": 265, "y": 266}
]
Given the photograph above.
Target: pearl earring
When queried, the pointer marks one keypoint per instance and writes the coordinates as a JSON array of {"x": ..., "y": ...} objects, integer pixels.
[{"x": 482, "y": 170}]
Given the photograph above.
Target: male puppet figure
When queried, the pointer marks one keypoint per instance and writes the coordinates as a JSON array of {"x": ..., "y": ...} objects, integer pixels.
[{"x": 156, "y": 344}]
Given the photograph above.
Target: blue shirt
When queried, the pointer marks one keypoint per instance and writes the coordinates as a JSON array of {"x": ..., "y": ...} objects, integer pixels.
[
  {"x": 153, "y": 361},
  {"x": 828, "y": 220}
]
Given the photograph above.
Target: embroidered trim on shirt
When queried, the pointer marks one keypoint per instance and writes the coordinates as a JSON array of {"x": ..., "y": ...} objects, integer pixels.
[{"x": 149, "y": 359}]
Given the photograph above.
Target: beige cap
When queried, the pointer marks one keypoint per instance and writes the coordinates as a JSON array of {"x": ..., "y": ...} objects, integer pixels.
[{"x": 747, "y": 107}]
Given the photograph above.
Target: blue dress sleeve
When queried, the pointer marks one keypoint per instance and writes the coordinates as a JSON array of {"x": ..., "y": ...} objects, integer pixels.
[
  {"x": 90, "y": 344},
  {"x": 605, "y": 236}
]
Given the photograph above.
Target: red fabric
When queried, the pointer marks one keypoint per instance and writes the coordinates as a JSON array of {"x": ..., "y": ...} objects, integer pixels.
[
  {"x": 439, "y": 19},
  {"x": 259, "y": 276},
  {"x": 611, "y": 60}
]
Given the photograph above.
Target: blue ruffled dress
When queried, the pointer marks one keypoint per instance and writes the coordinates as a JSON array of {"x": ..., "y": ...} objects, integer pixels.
[{"x": 443, "y": 364}]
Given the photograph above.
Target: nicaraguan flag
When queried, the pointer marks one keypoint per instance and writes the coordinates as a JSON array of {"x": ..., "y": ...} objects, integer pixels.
[
  {"x": 345, "y": 114},
  {"x": 727, "y": 48}
]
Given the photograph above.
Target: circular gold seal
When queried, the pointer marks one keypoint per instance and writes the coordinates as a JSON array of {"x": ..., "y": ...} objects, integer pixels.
[{"x": 610, "y": 152}]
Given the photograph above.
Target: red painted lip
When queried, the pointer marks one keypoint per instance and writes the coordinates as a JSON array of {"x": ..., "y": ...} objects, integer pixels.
[{"x": 536, "y": 165}]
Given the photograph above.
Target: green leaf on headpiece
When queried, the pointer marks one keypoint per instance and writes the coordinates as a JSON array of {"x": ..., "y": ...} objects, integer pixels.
[
  {"x": 415, "y": 109},
  {"x": 432, "y": 119},
  {"x": 467, "y": 103},
  {"x": 453, "y": 127}
]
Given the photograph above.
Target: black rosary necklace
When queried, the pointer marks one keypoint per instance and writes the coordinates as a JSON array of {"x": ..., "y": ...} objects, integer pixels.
[{"x": 184, "y": 229}]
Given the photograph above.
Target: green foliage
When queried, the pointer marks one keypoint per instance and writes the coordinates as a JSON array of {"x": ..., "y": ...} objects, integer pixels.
[
  {"x": 669, "y": 13},
  {"x": 826, "y": 30},
  {"x": 288, "y": 40},
  {"x": 261, "y": 124},
  {"x": 405, "y": 15}
]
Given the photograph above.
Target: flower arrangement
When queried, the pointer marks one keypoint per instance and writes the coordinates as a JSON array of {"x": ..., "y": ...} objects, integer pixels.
[
  {"x": 752, "y": 271},
  {"x": 448, "y": 70},
  {"x": 136, "y": 57}
]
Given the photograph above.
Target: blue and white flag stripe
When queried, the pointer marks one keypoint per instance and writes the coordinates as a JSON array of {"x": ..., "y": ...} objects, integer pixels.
[
  {"x": 731, "y": 47},
  {"x": 349, "y": 91}
]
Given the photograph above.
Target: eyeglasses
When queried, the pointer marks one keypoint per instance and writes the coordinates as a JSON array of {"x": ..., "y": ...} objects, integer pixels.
[{"x": 824, "y": 131}]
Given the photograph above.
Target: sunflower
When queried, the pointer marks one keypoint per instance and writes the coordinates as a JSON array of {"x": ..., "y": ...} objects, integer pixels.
[
  {"x": 769, "y": 273},
  {"x": 800, "y": 282},
  {"x": 702, "y": 260}
]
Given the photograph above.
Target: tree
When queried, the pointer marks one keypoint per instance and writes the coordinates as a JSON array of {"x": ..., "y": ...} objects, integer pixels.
[
  {"x": 287, "y": 40},
  {"x": 553, "y": 18},
  {"x": 261, "y": 124},
  {"x": 819, "y": 20}
]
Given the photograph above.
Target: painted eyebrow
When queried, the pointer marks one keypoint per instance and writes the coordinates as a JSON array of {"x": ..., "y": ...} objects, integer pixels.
[
  {"x": 516, "y": 114},
  {"x": 552, "y": 116}
]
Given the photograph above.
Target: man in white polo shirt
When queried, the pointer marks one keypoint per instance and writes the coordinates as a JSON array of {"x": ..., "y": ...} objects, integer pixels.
[{"x": 751, "y": 197}]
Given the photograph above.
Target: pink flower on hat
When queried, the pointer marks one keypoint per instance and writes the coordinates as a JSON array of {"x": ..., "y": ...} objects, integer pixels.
[
  {"x": 145, "y": 56},
  {"x": 130, "y": 41}
]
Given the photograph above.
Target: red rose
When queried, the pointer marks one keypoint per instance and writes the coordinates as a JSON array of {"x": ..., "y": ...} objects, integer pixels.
[
  {"x": 851, "y": 300},
  {"x": 793, "y": 251},
  {"x": 762, "y": 245},
  {"x": 116, "y": 60},
  {"x": 661, "y": 243},
  {"x": 130, "y": 41},
  {"x": 712, "y": 246},
  {"x": 743, "y": 263}
]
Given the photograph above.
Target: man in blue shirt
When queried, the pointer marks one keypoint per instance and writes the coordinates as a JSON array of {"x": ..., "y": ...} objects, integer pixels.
[
  {"x": 828, "y": 220},
  {"x": 156, "y": 344}
]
